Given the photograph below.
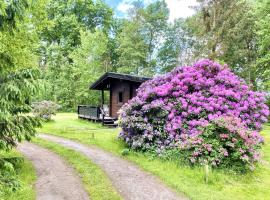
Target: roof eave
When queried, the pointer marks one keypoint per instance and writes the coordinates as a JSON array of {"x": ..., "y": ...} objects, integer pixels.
[
  {"x": 97, "y": 82},
  {"x": 117, "y": 76}
]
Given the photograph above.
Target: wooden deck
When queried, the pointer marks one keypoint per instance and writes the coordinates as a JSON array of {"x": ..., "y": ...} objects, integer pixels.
[{"x": 95, "y": 114}]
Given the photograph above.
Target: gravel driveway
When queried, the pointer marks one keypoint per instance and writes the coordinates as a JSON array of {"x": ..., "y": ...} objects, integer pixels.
[
  {"x": 131, "y": 182},
  {"x": 55, "y": 179}
]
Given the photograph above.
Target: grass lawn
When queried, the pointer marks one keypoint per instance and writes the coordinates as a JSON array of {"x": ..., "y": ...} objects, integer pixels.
[
  {"x": 95, "y": 181},
  {"x": 26, "y": 177},
  {"x": 189, "y": 181}
]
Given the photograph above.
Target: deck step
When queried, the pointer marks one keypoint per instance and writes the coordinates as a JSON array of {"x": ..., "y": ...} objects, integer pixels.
[
  {"x": 111, "y": 125},
  {"x": 110, "y": 122}
]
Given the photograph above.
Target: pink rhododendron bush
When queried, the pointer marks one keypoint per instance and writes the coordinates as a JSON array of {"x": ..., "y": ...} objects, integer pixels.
[{"x": 205, "y": 110}]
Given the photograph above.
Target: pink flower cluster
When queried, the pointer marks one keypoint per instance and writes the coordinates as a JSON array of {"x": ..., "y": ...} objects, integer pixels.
[
  {"x": 182, "y": 102},
  {"x": 225, "y": 141}
]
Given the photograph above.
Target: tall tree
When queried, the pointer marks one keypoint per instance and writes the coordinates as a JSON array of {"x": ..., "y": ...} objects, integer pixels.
[
  {"x": 177, "y": 47},
  {"x": 263, "y": 35},
  {"x": 131, "y": 49},
  {"x": 18, "y": 70},
  {"x": 226, "y": 31},
  {"x": 90, "y": 62},
  {"x": 68, "y": 19},
  {"x": 155, "y": 17},
  {"x": 141, "y": 37}
]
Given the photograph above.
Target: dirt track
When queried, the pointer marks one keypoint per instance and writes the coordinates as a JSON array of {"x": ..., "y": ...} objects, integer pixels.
[
  {"x": 55, "y": 179},
  {"x": 131, "y": 182}
]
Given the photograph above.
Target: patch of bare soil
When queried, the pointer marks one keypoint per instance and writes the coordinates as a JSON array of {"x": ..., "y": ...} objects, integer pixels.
[
  {"x": 55, "y": 179},
  {"x": 131, "y": 182}
]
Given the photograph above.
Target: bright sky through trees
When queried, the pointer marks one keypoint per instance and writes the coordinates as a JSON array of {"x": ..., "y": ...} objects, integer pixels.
[{"x": 178, "y": 8}]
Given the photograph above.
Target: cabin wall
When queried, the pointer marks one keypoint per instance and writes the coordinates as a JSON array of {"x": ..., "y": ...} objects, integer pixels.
[
  {"x": 116, "y": 88},
  {"x": 128, "y": 90}
]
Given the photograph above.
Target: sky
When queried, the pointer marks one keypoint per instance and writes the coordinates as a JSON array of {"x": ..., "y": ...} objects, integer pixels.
[{"x": 178, "y": 8}]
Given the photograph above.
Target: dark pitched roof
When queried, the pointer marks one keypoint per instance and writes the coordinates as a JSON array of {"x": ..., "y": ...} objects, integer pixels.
[{"x": 105, "y": 78}]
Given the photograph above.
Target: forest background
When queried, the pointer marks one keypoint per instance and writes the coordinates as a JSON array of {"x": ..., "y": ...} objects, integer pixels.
[{"x": 70, "y": 43}]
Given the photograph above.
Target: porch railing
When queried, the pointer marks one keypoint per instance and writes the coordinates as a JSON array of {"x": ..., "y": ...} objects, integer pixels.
[{"x": 89, "y": 112}]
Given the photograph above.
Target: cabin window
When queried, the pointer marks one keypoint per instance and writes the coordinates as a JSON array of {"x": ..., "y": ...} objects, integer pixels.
[{"x": 120, "y": 97}]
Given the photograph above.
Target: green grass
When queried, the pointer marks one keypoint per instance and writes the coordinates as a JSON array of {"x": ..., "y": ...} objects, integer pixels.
[
  {"x": 26, "y": 176},
  {"x": 94, "y": 180},
  {"x": 223, "y": 185}
]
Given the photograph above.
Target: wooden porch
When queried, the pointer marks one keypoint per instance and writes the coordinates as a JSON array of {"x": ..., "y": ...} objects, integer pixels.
[{"x": 96, "y": 114}]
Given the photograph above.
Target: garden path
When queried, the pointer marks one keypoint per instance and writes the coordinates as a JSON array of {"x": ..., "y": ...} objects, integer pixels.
[
  {"x": 56, "y": 180},
  {"x": 131, "y": 182}
]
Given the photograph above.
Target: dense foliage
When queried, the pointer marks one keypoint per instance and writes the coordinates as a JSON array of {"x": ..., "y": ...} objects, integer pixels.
[
  {"x": 16, "y": 89},
  {"x": 73, "y": 49},
  {"x": 170, "y": 108},
  {"x": 263, "y": 38},
  {"x": 19, "y": 73},
  {"x": 227, "y": 33},
  {"x": 8, "y": 174}
]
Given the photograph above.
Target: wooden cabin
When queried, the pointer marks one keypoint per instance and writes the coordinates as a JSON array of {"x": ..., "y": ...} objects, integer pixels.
[{"x": 121, "y": 88}]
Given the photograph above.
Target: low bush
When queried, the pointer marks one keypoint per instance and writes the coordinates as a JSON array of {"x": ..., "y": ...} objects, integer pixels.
[{"x": 45, "y": 109}]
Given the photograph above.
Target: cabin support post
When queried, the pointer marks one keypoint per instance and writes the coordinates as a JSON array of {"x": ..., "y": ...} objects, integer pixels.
[{"x": 102, "y": 105}]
